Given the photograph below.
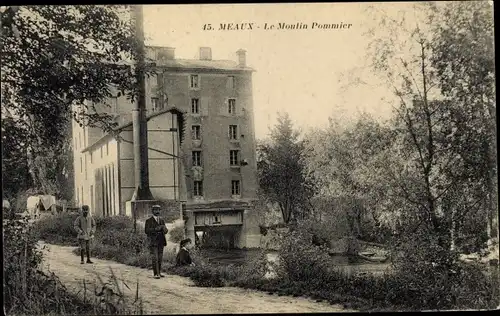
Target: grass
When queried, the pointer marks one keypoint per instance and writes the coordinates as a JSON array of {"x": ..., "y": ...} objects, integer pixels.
[
  {"x": 115, "y": 240},
  {"x": 29, "y": 290},
  {"x": 304, "y": 270}
]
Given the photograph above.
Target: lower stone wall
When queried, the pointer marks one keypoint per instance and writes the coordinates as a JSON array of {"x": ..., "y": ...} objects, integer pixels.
[
  {"x": 244, "y": 236},
  {"x": 253, "y": 241},
  {"x": 170, "y": 210}
]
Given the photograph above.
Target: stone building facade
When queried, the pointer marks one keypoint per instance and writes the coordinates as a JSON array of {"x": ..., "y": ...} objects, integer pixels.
[{"x": 202, "y": 151}]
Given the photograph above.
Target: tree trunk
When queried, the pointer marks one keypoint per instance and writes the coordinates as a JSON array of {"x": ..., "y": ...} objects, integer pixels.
[
  {"x": 493, "y": 245},
  {"x": 453, "y": 230},
  {"x": 32, "y": 168}
]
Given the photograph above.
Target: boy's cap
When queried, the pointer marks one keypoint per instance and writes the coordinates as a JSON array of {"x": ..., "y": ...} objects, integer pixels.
[
  {"x": 185, "y": 241},
  {"x": 156, "y": 206}
]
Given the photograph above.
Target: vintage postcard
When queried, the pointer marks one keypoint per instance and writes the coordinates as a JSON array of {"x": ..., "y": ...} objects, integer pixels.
[{"x": 249, "y": 158}]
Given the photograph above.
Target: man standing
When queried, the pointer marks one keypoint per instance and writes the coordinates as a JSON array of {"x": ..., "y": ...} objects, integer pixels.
[
  {"x": 156, "y": 229},
  {"x": 85, "y": 226}
]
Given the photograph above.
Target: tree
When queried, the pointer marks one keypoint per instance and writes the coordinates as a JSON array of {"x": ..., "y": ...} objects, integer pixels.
[
  {"x": 280, "y": 170},
  {"x": 464, "y": 60},
  {"x": 15, "y": 176},
  {"x": 57, "y": 62},
  {"x": 437, "y": 60},
  {"x": 402, "y": 54},
  {"x": 349, "y": 164},
  {"x": 435, "y": 147}
]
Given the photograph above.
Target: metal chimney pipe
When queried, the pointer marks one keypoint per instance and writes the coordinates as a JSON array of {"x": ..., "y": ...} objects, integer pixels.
[{"x": 139, "y": 122}]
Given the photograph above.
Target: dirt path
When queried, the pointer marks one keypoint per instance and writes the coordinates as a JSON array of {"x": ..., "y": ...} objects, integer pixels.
[{"x": 175, "y": 294}]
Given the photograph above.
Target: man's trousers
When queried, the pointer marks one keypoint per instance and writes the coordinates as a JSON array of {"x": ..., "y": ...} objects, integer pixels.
[{"x": 156, "y": 258}]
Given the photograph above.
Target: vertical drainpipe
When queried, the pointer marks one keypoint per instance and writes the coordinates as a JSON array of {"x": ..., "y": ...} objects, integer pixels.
[
  {"x": 175, "y": 161},
  {"x": 119, "y": 181}
]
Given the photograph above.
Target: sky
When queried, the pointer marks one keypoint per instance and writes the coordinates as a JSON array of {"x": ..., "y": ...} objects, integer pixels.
[{"x": 303, "y": 71}]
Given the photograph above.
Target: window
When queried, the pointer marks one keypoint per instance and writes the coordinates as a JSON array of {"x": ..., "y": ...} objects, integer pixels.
[
  {"x": 81, "y": 165},
  {"x": 91, "y": 156},
  {"x": 196, "y": 132},
  {"x": 230, "y": 82},
  {"x": 233, "y": 132},
  {"x": 235, "y": 187},
  {"x": 231, "y": 106},
  {"x": 196, "y": 158},
  {"x": 216, "y": 218},
  {"x": 233, "y": 157},
  {"x": 101, "y": 151},
  {"x": 194, "y": 81},
  {"x": 107, "y": 149},
  {"x": 198, "y": 188},
  {"x": 195, "y": 106},
  {"x": 155, "y": 102}
]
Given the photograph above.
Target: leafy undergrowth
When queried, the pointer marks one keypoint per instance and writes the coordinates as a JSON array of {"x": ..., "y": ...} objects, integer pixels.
[
  {"x": 28, "y": 290},
  {"x": 306, "y": 270},
  {"x": 176, "y": 234}
]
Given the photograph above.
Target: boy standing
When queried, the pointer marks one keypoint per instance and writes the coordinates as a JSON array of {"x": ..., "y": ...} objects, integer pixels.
[{"x": 85, "y": 226}]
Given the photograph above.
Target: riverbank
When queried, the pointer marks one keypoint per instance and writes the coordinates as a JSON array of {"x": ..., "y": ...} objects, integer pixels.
[
  {"x": 303, "y": 270},
  {"x": 175, "y": 294}
]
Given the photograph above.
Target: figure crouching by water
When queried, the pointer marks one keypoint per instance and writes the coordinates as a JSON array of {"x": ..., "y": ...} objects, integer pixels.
[
  {"x": 183, "y": 257},
  {"x": 85, "y": 226}
]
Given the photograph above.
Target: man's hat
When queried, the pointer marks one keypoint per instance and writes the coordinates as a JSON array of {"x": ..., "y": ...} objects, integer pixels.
[
  {"x": 85, "y": 207},
  {"x": 156, "y": 206}
]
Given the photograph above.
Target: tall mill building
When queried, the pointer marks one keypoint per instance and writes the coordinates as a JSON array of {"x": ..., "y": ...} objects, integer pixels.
[{"x": 201, "y": 147}]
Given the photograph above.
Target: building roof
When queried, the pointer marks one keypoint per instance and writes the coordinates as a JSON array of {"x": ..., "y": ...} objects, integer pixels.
[
  {"x": 223, "y": 205},
  {"x": 202, "y": 64},
  {"x": 105, "y": 137}
]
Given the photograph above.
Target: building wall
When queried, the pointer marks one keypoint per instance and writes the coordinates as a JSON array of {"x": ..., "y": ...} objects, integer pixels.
[
  {"x": 214, "y": 120},
  {"x": 103, "y": 184},
  {"x": 222, "y": 218},
  {"x": 251, "y": 231},
  {"x": 95, "y": 172},
  {"x": 163, "y": 168},
  {"x": 169, "y": 177}
]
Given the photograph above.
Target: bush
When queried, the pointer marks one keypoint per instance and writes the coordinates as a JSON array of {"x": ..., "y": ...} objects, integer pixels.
[
  {"x": 300, "y": 260},
  {"x": 29, "y": 291},
  {"x": 430, "y": 276},
  {"x": 57, "y": 229},
  {"x": 113, "y": 223},
  {"x": 124, "y": 245},
  {"x": 207, "y": 276},
  {"x": 176, "y": 234},
  {"x": 327, "y": 232},
  {"x": 426, "y": 276}
]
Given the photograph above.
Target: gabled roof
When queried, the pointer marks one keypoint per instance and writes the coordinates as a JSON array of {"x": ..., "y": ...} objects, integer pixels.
[{"x": 119, "y": 128}]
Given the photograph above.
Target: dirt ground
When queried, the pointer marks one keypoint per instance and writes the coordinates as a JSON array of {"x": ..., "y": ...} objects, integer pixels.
[{"x": 174, "y": 294}]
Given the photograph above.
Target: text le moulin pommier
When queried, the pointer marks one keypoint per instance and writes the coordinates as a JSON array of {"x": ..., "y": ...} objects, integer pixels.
[{"x": 275, "y": 26}]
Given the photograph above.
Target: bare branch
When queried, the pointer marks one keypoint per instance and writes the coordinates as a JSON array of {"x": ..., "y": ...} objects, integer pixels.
[{"x": 405, "y": 66}]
